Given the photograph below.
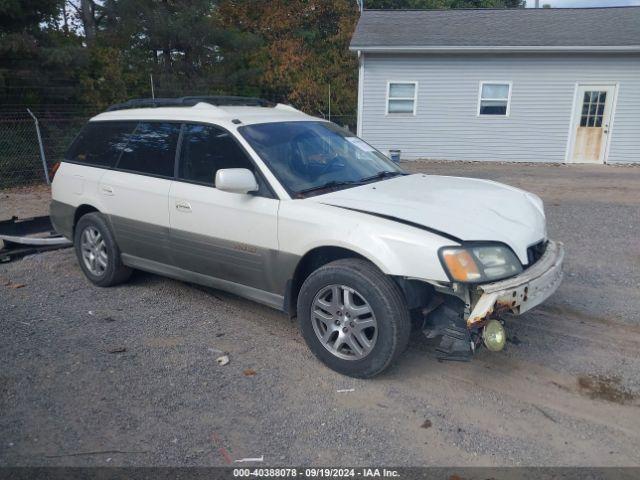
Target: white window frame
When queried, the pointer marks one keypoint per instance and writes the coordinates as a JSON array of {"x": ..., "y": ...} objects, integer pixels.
[
  {"x": 494, "y": 82},
  {"x": 414, "y": 98}
]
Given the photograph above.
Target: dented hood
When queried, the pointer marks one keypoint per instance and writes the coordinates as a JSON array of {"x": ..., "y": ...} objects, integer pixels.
[{"x": 464, "y": 208}]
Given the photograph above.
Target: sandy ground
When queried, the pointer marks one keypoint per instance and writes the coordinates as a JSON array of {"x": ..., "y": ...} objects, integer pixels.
[
  {"x": 24, "y": 202},
  {"x": 127, "y": 375}
]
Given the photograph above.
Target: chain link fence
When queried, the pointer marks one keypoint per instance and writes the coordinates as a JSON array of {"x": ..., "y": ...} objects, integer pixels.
[{"x": 21, "y": 158}]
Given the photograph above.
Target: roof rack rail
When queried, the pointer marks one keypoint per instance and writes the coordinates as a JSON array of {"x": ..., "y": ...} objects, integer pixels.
[{"x": 216, "y": 100}]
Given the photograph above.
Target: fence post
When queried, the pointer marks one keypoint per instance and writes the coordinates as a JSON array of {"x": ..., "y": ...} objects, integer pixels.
[{"x": 44, "y": 159}]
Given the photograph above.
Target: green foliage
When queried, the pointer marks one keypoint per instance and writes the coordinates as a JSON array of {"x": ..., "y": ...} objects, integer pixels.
[{"x": 18, "y": 15}]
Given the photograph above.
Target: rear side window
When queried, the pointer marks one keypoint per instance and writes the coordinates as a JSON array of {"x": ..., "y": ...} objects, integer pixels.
[
  {"x": 206, "y": 149},
  {"x": 100, "y": 143},
  {"x": 151, "y": 149}
]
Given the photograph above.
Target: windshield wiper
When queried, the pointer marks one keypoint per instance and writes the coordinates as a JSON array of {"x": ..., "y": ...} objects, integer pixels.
[
  {"x": 342, "y": 183},
  {"x": 331, "y": 184},
  {"x": 380, "y": 175}
]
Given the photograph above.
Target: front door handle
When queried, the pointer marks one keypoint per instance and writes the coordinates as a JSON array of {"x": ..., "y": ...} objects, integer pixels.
[{"x": 183, "y": 206}]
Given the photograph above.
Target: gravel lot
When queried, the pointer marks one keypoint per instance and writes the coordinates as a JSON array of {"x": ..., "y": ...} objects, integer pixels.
[{"x": 128, "y": 375}]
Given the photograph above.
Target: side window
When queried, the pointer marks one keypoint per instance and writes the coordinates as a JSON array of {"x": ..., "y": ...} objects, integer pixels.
[
  {"x": 100, "y": 143},
  {"x": 206, "y": 149},
  {"x": 494, "y": 98},
  {"x": 151, "y": 149},
  {"x": 401, "y": 97}
]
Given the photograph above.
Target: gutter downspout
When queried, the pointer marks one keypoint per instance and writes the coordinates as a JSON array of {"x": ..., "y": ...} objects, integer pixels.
[{"x": 360, "y": 93}]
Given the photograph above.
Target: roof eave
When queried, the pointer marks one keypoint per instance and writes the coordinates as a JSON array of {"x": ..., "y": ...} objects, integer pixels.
[{"x": 495, "y": 49}]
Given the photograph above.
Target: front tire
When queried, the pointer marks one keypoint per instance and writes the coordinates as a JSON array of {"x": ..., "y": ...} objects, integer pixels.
[
  {"x": 97, "y": 251},
  {"x": 353, "y": 317}
]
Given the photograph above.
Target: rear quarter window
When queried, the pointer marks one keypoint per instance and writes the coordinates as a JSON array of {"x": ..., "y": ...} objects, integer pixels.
[{"x": 100, "y": 144}]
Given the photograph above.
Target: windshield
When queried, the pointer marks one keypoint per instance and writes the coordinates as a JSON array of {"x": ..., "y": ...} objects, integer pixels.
[{"x": 309, "y": 157}]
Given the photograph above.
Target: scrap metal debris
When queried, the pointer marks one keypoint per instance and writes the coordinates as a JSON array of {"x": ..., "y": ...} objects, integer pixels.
[
  {"x": 20, "y": 237},
  {"x": 223, "y": 360},
  {"x": 258, "y": 459},
  {"x": 346, "y": 390},
  {"x": 97, "y": 452},
  {"x": 117, "y": 350},
  {"x": 249, "y": 372}
]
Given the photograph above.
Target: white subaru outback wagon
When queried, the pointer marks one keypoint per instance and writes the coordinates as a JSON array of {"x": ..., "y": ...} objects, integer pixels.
[{"x": 292, "y": 211}]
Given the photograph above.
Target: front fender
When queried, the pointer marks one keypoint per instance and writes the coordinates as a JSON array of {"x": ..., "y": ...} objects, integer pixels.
[{"x": 395, "y": 248}]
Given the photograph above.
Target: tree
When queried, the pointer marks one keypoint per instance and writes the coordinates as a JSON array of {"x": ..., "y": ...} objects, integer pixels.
[
  {"x": 304, "y": 49},
  {"x": 34, "y": 52},
  {"x": 181, "y": 42}
]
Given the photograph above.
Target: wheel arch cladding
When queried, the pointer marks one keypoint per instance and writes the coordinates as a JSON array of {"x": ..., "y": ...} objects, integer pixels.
[
  {"x": 81, "y": 211},
  {"x": 308, "y": 263}
]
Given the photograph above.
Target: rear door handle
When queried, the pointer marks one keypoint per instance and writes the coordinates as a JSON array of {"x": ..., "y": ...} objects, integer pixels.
[
  {"x": 183, "y": 206},
  {"x": 106, "y": 190}
]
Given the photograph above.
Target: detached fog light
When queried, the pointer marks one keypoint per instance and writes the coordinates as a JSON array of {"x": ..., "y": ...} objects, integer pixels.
[{"x": 494, "y": 336}]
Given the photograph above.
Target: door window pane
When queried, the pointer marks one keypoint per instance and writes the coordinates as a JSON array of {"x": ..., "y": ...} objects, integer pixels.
[
  {"x": 206, "y": 149},
  {"x": 494, "y": 99},
  {"x": 100, "y": 143},
  {"x": 151, "y": 149},
  {"x": 593, "y": 108}
]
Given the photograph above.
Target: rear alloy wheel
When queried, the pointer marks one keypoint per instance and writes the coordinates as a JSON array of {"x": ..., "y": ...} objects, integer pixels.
[
  {"x": 97, "y": 251},
  {"x": 353, "y": 317},
  {"x": 94, "y": 251}
]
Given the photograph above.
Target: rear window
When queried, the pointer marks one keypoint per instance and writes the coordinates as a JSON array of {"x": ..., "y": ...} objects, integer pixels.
[
  {"x": 100, "y": 143},
  {"x": 151, "y": 149}
]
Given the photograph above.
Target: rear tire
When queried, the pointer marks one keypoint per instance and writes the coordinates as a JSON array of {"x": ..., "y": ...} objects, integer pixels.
[
  {"x": 353, "y": 317},
  {"x": 97, "y": 251}
]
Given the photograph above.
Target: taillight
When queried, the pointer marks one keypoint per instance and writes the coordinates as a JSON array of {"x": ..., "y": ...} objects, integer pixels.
[{"x": 53, "y": 171}]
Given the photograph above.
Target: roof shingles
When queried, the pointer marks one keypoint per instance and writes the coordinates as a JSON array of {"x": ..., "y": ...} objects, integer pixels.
[{"x": 571, "y": 27}]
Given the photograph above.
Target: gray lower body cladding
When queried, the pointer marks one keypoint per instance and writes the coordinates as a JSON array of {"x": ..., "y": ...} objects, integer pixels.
[
  {"x": 261, "y": 296},
  {"x": 247, "y": 270},
  {"x": 62, "y": 217}
]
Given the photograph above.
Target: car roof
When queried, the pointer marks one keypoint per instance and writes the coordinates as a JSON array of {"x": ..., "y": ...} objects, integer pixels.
[{"x": 205, "y": 112}]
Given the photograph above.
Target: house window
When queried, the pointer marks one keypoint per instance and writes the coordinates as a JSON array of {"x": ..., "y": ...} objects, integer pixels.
[
  {"x": 494, "y": 98},
  {"x": 401, "y": 97}
]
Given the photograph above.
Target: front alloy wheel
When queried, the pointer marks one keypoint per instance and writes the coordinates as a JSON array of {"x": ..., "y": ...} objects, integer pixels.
[
  {"x": 344, "y": 322},
  {"x": 353, "y": 317}
]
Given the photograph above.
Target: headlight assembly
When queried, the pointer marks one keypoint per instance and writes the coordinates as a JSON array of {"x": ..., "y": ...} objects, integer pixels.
[{"x": 479, "y": 263}]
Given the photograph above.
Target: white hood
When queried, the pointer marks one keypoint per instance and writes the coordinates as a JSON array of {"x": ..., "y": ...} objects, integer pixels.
[{"x": 466, "y": 208}]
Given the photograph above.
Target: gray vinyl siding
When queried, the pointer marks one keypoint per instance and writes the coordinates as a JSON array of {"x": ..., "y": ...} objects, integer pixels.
[{"x": 446, "y": 125}]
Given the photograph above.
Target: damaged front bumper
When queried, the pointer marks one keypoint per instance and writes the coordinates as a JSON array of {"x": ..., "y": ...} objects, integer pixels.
[{"x": 522, "y": 292}]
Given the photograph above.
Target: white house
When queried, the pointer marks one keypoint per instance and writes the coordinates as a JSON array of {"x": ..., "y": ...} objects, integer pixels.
[{"x": 528, "y": 85}]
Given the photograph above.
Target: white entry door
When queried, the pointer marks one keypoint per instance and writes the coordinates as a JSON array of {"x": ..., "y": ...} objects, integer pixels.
[{"x": 591, "y": 122}]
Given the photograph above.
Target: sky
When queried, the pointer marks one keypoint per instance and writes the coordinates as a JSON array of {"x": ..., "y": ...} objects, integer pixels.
[{"x": 584, "y": 3}]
